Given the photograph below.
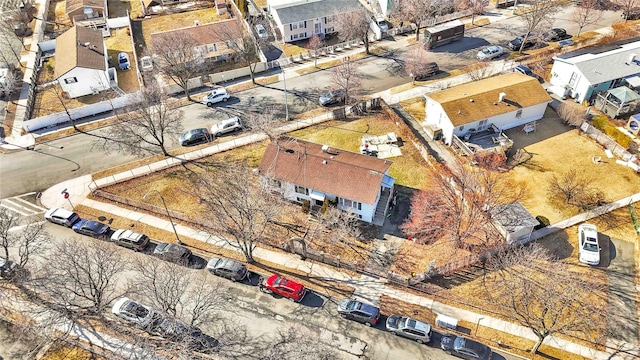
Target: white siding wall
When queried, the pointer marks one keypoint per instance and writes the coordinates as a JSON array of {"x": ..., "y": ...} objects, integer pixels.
[
  {"x": 436, "y": 116},
  {"x": 88, "y": 81},
  {"x": 561, "y": 74}
]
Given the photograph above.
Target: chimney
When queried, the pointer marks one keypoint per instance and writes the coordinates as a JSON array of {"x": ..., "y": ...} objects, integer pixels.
[
  {"x": 501, "y": 97},
  {"x": 632, "y": 58},
  {"x": 196, "y": 22},
  {"x": 325, "y": 148}
]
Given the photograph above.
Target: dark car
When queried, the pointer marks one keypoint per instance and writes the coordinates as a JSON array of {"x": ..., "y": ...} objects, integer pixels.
[
  {"x": 633, "y": 14},
  {"x": 91, "y": 228},
  {"x": 428, "y": 70},
  {"x": 358, "y": 311},
  {"x": 172, "y": 252},
  {"x": 7, "y": 268},
  {"x": 554, "y": 34},
  {"x": 465, "y": 348},
  {"x": 516, "y": 43},
  {"x": 195, "y": 136},
  {"x": 227, "y": 268},
  {"x": 332, "y": 97}
]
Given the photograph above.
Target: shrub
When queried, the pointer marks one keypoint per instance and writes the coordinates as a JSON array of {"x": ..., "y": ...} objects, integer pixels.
[
  {"x": 306, "y": 206},
  {"x": 601, "y": 123},
  {"x": 325, "y": 205},
  {"x": 634, "y": 148},
  {"x": 544, "y": 222}
]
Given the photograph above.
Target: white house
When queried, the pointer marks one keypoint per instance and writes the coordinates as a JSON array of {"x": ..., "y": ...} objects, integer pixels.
[
  {"x": 302, "y": 170},
  {"x": 81, "y": 62},
  {"x": 301, "y": 19},
  {"x": 504, "y": 101},
  {"x": 514, "y": 222},
  {"x": 583, "y": 73}
]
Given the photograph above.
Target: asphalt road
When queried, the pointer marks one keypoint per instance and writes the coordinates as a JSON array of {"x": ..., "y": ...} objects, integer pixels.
[{"x": 51, "y": 164}]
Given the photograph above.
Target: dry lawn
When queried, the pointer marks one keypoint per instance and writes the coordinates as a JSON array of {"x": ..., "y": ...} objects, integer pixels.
[
  {"x": 415, "y": 108},
  {"x": 120, "y": 41},
  {"x": 119, "y": 8},
  {"x": 417, "y": 257},
  {"x": 485, "y": 335},
  {"x": 47, "y": 101},
  {"x": 64, "y": 351},
  {"x": 162, "y": 23},
  {"x": 560, "y": 153},
  {"x": 59, "y": 9}
]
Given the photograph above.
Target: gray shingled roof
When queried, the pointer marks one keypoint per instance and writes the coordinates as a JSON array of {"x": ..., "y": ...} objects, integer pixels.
[
  {"x": 600, "y": 65},
  {"x": 514, "y": 216},
  {"x": 296, "y": 12}
]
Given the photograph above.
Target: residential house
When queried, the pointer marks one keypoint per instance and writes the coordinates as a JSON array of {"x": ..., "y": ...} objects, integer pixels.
[
  {"x": 88, "y": 13},
  {"x": 497, "y": 103},
  {"x": 81, "y": 62},
  {"x": 304, "y": 171},
  {"x": 583, "y": 73},
  {"x": 514, "y": 222},
  {"x": 298, "y": 20},
  {"x": 213, "y": 39}
]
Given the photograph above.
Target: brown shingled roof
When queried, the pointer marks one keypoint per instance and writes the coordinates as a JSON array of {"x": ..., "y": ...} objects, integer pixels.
[
  {"x": 478, "y": 100},
  {"x": 72, "y": 5},
  {"x": 79, "y": 47},
  {"x": 208, "y": 33},
  {"x": 345, "y": 174}
]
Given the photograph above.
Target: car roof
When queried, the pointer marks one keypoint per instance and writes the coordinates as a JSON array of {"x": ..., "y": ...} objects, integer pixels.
[
  {"x": 127, "y": 234},
  {"x": 92, "y": 224},
  {"x": 480, "y": 349},
  {"x": 119, "y": 303},
  {"x": 419, "y": 325},
  {"x": 369, "y": 309},
  {"x": 224, "y": 263},
  {"x": 60, "y": 212}
]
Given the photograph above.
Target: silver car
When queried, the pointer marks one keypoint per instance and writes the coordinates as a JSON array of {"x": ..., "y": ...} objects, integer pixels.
[
  {"x": 227, "y": 268},
  {"x": 490, "y": 53},
  {"x": 226, "y": 126},
  {"x": 409, "y": 328}
]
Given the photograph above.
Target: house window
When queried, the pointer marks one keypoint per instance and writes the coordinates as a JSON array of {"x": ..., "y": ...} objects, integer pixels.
[
  {"x": 519, "y": 114},
  {"x": 483, "y": 124},
  {"x": 275, "y": 183},
  {"x": 302, "y": 190},
  {"x": 301, "y": 25},
  {"x": 350, "y": 204},
  {"x": 70, "y": 80},
  {"x": 329, "y": 30},
  {"x": 211, "y": 48},
  {"x": 573, "y": 79},
  {"x": 294, "y": 26}
]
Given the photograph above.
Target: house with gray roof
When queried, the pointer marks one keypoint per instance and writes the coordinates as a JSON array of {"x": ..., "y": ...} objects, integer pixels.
[
  {"x": 584, "y": 73},
  {"x": 514, "y": 222},
  {"x": 299, "y": 20}
]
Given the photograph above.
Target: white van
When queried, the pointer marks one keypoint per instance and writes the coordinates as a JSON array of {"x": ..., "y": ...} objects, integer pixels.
[
  {"x": 381, "y": 22},
  {"x": 216, "y": 95}
]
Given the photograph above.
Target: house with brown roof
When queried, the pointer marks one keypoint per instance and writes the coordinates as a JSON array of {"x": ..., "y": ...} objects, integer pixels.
[
  {"x": 88, "y": 13},
  {"x": 81, "y": 62},
  {"x": 213, "y": 40},
  {"x": 305, "y": 171},
  {"x": 499, "y": 103}
]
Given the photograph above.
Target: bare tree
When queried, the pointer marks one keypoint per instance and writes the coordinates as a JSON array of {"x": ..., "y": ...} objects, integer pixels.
[
  {"x": 29, "y": 239},
  {"x": 315, "y": 43},
  {"x": 586, "y": 13},
  {"x": 477, "y": 71},
  {"x": 245, "y": 48},
  {"x": 577, "y": 188},
  {"x": 538, "y": 14},
  {"x": 10, "y": 83},
  {"x": 144, "y": 127},
  {"x": 417, "y": 63},
  {"x": 296, "y": 342},
  {"x": 415, "y": 12},
  {"x": 237, "y": 209},
  {"x": 346, "y": 76},
  {"x": 83, "y": 278},
  {"x": 571, "y": 115},
  {"x": 267, "y": 122},
  {"x": 354, "y": 25},
  {"x": 177, "y": 56},
  {"x": 627, "y": 7},
  {"x": 543, "y": 294},
  {"x": 459, "y": 206}
]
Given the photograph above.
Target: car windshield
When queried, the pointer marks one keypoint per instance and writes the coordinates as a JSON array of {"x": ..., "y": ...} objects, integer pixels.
[
  {"x": 353, "y": 305},
  {"x": 590, "y": 245},
  {"x": 411, "y": 323},
  {"x": 279, "y": 281},
  {"x": 486, "y": 51},
  {"x": 123, "y": 60}
]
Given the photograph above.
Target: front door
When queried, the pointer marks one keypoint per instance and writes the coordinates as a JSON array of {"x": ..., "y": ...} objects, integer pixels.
[{"x": 317, "y": 27}]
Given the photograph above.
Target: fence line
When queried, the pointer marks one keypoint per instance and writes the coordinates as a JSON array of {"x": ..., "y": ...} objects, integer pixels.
[{"x": 608, "y": 142}]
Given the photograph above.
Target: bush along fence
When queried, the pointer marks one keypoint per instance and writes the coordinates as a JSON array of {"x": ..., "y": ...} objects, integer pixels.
[{"x": 608, "y": 142}]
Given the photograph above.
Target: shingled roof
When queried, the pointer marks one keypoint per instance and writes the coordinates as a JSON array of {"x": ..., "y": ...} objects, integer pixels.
[
  {"x": 211, "y": 33},
  {"x": 73, "y": 5},
  {"x": 292, "y": 12},
  {"x": 79, "y": 47},
  {"x": 479, "y": 100},
  {"x": 337, "y": 172}
]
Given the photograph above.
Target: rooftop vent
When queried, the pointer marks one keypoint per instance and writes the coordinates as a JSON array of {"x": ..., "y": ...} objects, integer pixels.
[
  {"x": 501, "y": 96},
  {"x": 324, "y": 162},
  {"x": 196, "y": 22},
  {"x": 470, "y": 100},
  {"x": 632, "y": 58},
  {"x": 289, "y": 151}
]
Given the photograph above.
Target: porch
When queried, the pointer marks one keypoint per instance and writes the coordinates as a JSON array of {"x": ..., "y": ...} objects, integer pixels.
[{"x": 490, "y": 139}]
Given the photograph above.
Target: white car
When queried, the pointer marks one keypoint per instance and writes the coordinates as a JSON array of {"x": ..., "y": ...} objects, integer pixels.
[
  {"x": 216, "y": 95},
  {"x": 262, "y": 32},
  {"x": 226, "y": 126},
  {"x": 62, "y": 217},
  {"x": 133, "y": 312},
  {"x": 490, "y": 53},
  {"x": 146, "y": 63},
  {"x": 589, "y": 246}
]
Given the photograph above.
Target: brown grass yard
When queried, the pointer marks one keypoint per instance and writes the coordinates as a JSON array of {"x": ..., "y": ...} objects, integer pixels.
[
  {"x": 119, "y": 8},
  {"x": 47, "y": 102},
  {"x": 160, "y": 23},
  {"x": 61, "y": 350}
]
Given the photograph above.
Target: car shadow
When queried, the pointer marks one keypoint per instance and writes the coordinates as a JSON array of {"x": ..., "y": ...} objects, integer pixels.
[
  {"x": 197, "y": 262},
  {"x": 607, "y": 251},
  {"x": 311, "y": 299}
]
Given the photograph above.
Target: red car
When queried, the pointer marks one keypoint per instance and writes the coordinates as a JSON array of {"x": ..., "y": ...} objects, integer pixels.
[{"x": 276, "y": 284}]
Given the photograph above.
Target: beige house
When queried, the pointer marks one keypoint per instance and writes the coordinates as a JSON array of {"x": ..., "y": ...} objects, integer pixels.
[{"x": 88, "y": 13}]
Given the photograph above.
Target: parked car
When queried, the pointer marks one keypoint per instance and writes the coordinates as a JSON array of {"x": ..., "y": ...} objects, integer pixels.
[
  {"x": 277, "y": 284},
  {"x": 123, "y": 61},
  {"x": 262, "y": 32},
  {"x": 61, "y": 216},
  {"x": 516, "y": 43},
  {"x": 554, "y": 34},
  {"x": 359, "y": 311},
  {"x": 565, "y": 42},
  {"x": 409, "y": 328},
  {"x": 172, "y": 252},
  {"x": 634, "y": 14},
  {"x": 7, "y": 268},
  {"x": 332, "y": 97},
  {"x": 429, "y": 69},
  {"x": 490, "y": 53},
  {"x": 91, "y": 228},
  {"x": 523, "y": 69},
  {"x": 381, "y": 22},
  {"x": 226, "y": 126},
  {"x": 464, "y": 348},
  {"x": 227, "y": 268},
  {"x": 216, "y": 95},
  {"x": 133, "y": 312},
  {"x": 130, "y": 239},
  {"x": 589, "y": 246},
  {"x": 146, "y": 63},
  {"x": 195, "y": 136}
]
